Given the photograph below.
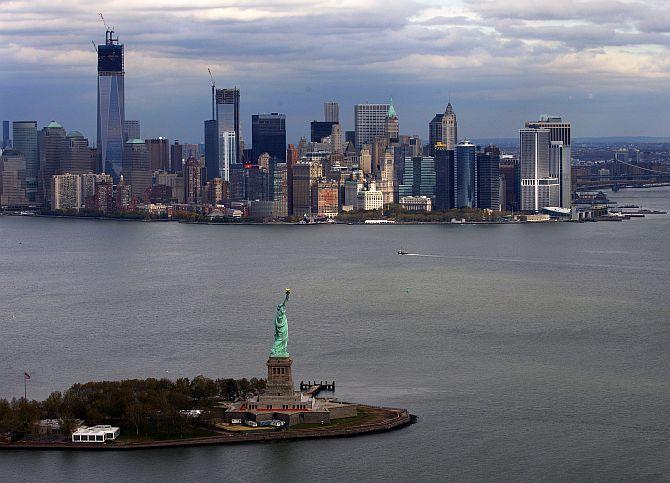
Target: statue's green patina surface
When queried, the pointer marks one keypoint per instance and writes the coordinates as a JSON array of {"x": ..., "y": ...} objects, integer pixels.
[{"x": 280, "y": 346}]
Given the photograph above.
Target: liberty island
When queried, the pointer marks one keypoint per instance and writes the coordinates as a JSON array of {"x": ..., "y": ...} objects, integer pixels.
[{"x": 270, "y": 409}]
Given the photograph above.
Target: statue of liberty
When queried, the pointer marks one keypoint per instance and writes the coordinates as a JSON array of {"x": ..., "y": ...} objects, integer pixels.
[{"x": 280, "y": 346}]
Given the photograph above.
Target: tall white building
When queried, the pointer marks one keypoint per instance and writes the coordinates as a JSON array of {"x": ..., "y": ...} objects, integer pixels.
[
  {"x": 370, "y": 122},
  {"x": 227, "y": 153},
  {"x": 66, "y": 192},
  {"x": 370, "y": 198},
  {"x": 538, "y": 187},
  {"x": 449, "y": 128},
  {"x": 560, "y": 134}
]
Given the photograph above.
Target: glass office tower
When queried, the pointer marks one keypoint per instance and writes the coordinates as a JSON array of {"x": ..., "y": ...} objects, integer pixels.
[
  {"x": 465, "y": 191},
  {"x": 268, "y": 135},
  {"x": 111, "y": 112}
]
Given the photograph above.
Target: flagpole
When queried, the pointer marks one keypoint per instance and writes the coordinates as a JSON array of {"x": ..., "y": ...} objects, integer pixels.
[{"x": 25, "y": 388}]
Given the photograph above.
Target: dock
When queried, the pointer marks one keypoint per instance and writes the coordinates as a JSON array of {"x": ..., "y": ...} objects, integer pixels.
[{"x": 312, "y": 388}]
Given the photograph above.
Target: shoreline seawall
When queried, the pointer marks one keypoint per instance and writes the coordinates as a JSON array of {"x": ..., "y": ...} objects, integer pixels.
[{"x": 390, "y": 419}]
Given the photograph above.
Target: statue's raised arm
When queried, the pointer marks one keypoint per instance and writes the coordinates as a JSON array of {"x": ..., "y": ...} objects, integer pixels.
[
  {"x": 280, "y": 346},
  {"x": 288, "y": 292}
]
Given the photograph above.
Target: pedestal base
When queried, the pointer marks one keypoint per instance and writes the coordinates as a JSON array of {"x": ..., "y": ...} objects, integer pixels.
[{"x": 280, "y": 379}]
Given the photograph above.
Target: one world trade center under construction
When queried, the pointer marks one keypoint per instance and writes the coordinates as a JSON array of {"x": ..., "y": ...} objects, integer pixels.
[{"x": 110, "y": 106}]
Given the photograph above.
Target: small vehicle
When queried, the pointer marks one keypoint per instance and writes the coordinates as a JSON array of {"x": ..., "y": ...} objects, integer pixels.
[
  {"x": 251, "y": 424},
  {"x": 235, "y": 421}
]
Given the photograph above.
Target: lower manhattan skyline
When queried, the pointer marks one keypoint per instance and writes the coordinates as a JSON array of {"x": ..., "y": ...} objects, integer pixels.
[{"x": 599, "y": 64}]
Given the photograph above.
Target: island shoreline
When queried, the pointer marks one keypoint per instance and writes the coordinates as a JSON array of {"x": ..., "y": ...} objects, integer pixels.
[{"x": 395, "y": 419}]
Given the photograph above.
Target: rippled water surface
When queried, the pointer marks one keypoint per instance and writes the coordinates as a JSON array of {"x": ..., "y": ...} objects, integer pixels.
[{"x": 536, "y": 351}]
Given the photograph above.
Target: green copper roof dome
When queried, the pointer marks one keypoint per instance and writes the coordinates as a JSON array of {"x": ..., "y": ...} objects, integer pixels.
[
  {"x": 54, "y": 125},
  {"x": 135, "y": 141},
  {"x": 391, "y": 111}
]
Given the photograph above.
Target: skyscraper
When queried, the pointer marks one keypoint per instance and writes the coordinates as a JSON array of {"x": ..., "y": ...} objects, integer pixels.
[
  {"x": 159, "y": 153},
  {"x": 228, "y": 128},
  {"x": 336, "y": 138},
  {"x": 305, "y": 176},
  {"x": 279, "y": 189},
  {"x": 65, "y": 190},
  {"x": 6, "y": 142},
  {"x": 78, "y": 157},
  {"x": 320, "y": 130},
  {"x": 292, "y": 159},
  {"x": 52, "y": 150},
  {"x": 509, "y": 183},
  {"x": 435, "y": 133},
  {"x": 131, "y": 130},
  {"x": 370, "y": 122},
  {"x": 111, "y": 106},
  {"x": 268, "y": 135},
  {"x": 488, "y": 178},
  {"x": 193, "y": 180},
  {"x": 443, "y": 129},
  {"x": 176, "y": 157},
  {"x": 331, "y": 111},
  {"x": 465, "y": 176},
  {"x": 538, "y": 188},
  {"x": 449, "y": 127},
  {"x": 25, "y": 140},
  {"x": 561, "y": 158},
  {"x": 12, "y": 179},
  {"x": 392, "y": 126},
  {"x": 419, "y": 177},
  {"x": 136, "y": 166},
  {"x": 211, "y": 149},
  {"x": 444, "y": 177}
]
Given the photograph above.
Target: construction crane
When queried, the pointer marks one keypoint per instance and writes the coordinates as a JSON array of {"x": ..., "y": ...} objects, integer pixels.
[
  {"x": 213, "y": 93},
  {"x": 103, "y": 21},
  {"x": 109, "y": 34},
  {"x": 95, "y": 47}
]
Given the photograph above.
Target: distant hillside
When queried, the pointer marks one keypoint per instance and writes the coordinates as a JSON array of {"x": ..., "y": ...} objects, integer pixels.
[
  {"x": 584, "y": 140},
  {"x": 623, "y": 140}
]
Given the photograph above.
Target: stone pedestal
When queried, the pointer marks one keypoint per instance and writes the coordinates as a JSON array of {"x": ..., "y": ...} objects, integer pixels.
[{"x": 280, "y": 379}]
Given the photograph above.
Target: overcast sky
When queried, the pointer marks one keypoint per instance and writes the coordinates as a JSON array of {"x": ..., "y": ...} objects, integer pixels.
[{"x": 602, "y": 64}]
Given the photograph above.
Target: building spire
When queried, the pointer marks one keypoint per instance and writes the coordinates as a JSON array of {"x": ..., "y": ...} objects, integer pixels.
[{"x": 391, "y": 111}]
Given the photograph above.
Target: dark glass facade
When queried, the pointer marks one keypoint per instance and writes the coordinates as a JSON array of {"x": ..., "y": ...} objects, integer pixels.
[
  {"x": 465, "y": 190},
  {"x": 268, "y": 135},
  {"x": 435, "y": 133},
  {"x": 488, "y": 178},
  {"x": 320, "y": 130},
  {"x": 419, "y": 177},
  {"x": 444, "y": 177},
  {"x": 110, "y": 58},
  {"x": 211, "y": 149}
]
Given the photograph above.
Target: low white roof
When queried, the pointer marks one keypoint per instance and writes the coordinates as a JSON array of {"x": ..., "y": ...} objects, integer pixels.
[{"x": 100, "y": 429}]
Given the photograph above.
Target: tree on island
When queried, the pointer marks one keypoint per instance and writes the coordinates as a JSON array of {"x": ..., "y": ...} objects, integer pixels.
[{"x": 149, "y": 407}]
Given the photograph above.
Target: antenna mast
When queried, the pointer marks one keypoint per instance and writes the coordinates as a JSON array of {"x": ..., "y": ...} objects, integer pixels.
[{"x": 213, "y": 93}]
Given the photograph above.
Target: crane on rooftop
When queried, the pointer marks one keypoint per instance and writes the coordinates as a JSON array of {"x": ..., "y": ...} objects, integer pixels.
[
  {"x": 213, "y": 93},
  {"x": 109, "y": 31}
]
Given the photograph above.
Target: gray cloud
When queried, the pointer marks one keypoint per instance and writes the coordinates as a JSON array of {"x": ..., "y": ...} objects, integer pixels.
[{"x": 499, "y": 60}]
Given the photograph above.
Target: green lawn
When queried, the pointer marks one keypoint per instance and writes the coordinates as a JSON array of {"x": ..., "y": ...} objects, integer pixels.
[{"x": 360, "y": 418}]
